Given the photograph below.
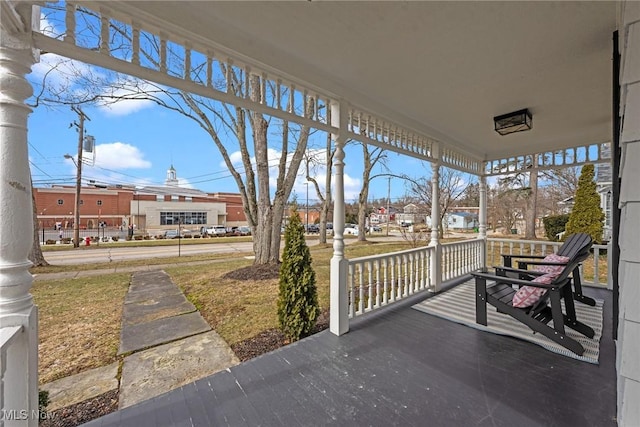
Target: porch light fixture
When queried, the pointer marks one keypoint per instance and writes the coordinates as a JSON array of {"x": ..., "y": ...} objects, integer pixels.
[{"x": 517, "y": 121}]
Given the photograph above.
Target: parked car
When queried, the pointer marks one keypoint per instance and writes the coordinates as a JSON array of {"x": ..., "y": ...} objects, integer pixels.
[
  {"x": 351, "y": 229},
  {"x": 232, "y": 231},
  {"x": 217, "y": 231},
  {"x": 206, "y": 230},
  {"x": 376, "y": 228},
  {"x": 244, "y": 230},
  {"x": 213, "y": 230},
  {"x": 312, "y": 228},
  {"x": 171, "y": 234}
]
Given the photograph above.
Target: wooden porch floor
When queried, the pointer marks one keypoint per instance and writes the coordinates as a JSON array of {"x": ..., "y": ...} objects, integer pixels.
[{"x": 398, "y": 367}]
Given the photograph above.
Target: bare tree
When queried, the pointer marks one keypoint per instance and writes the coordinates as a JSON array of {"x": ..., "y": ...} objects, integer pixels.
[
  {"x": 371, "y": 156},
  {"x": 323, "y": 196},
  {"x": 87, "y": 85},
  {"x": 506, "y": 206},
  {"x": 35, "y": 255},
  {"x": 453, "y": 185},
  {"x": 526, "y": 184}
]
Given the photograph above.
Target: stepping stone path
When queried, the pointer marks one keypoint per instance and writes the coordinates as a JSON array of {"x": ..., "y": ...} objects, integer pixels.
[
  {"x": 170, "y": 342},
  {"x": 166, "y": 344}
]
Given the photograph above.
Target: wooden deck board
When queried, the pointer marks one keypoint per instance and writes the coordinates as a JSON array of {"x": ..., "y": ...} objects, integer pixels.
[{"x": 400, "y": 367}]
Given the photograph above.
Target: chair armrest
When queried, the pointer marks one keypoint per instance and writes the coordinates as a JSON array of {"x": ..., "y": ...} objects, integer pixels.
[
  {"x": 541, "y": 263},
  {"x": 518, "y": 270},
  {"x": 506, "y": 258},
  {"x": 523, "y": 256},
  {"x": 514, "y": 281}
]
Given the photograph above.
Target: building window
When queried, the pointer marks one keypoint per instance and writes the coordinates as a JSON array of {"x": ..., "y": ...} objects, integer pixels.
[
  {"x": 60, "y": 202},
  {"x": 159, "y": 198},
  {"x": 188, "y": 199},
  {"x": 99, "y": 203},
  {"x": 187, "y": 218}
]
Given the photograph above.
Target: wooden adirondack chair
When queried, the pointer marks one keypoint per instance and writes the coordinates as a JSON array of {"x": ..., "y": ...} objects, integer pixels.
[
  {"x": 500, "y": 293},
  {"x": 575, "y": 244}
]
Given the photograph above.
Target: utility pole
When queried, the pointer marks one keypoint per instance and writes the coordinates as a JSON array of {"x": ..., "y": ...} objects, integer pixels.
[
  {"x": 307, "y": 204},
  {"x": 388, "y": 203},
  {"x": 80, "y": 126}
]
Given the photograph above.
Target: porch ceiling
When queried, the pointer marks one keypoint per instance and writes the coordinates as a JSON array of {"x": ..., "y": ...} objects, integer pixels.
[{"x": 440, "y": 68}]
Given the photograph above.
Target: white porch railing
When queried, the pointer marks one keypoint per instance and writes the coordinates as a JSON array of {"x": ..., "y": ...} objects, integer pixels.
[
  {"x": 594, "y": 270},
  {"x": 460, "y": 258},
  {"x": 8, "y": 337},
  {"x": 378, "y": 280}
]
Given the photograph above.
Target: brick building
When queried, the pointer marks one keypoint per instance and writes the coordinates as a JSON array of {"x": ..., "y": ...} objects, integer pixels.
[{"x": 151, "y": 208}]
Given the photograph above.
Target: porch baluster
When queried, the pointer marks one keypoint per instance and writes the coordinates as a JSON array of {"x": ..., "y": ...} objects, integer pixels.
[
  {"x": 70, "y": 23},
  {"x": 377, "y": 283},
  {"x": 187, "y": 62},
  {"x": 385, "y": 295},
  {"x": 352, "y": 294},
  {"x": 135, "y": 43},
  {"x": 361, "y": 297}
]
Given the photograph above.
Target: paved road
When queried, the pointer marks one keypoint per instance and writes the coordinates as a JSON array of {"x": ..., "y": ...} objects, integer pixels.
[{"x": 106, "y": 254}]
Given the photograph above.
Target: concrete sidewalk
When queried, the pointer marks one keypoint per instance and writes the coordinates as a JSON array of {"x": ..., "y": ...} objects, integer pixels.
[
  {"x": 112, "y": 270},
  {"x": 165, "y": 343}
]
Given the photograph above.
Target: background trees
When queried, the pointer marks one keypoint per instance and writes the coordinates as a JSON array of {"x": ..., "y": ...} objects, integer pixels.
[
  {"x": 454, "y": 186},
  {"x": 264, "y": 180}
]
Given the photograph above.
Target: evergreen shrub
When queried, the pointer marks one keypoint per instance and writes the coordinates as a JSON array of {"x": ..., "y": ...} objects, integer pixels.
[
  {"x": 554, "y": 225},
  {"x": 586, "y": 216},
  {"x": 298, "y": 299}
]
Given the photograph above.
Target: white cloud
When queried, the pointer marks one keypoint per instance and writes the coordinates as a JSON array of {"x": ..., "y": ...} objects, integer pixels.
[
  {"x": 317, "y": 170},
  {"x": 127, "y": 106},
  {"x": 119, "y": 155},
  {"x": 59, "y": 70},
  {"x": 184, "y": 183}
]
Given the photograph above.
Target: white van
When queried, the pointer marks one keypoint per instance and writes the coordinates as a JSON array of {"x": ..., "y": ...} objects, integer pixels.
[{"x": 213, "y": 230}]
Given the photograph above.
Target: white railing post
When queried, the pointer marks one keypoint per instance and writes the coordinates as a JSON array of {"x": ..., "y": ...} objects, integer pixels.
[
  {"x": 482, "y": 217},
  {"x": 20, "y": 379},
  {"x": 339, "y": 301}
]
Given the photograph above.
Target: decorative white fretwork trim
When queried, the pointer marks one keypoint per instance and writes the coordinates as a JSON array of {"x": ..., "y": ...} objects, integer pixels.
[
  {"x": 569, "y": 157},
  {"x": 138, "y": 46}
]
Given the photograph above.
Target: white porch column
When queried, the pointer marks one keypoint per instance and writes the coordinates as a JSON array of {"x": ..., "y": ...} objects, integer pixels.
[
  {"x": 436, "y": 260},
  {"x": 339, "y": 308},
  {"x": 483, "y": 219},
  {"x": 19, "y": 392}
]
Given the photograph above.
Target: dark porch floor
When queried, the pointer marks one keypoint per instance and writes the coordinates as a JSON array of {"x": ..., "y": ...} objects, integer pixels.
[{"x": 399, "y": 367}]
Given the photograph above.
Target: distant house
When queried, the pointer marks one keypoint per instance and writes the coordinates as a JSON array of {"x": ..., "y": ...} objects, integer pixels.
[
  {"x": 462, "y": 221},
  {"x": 381, "y": 215},
  {"x": 410, "y": 215}
]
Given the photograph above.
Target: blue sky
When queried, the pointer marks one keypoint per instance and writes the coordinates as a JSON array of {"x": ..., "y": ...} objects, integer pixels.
[{"x": 136, "y": 142}]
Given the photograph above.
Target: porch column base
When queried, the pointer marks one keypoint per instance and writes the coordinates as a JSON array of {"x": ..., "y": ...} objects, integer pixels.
[
  {"x": 339, "y": 313},
  {"x": 20, "y": 370}
]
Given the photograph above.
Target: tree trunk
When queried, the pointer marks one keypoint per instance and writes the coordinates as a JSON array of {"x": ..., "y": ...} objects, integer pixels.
[
  {"x": 263, "y": 245},
  {"x": 530, "y": 213},
  {"x": 362, "y": 213},
  {"x": 326, "y": 200},
  {"x": 36, "y": 256}
]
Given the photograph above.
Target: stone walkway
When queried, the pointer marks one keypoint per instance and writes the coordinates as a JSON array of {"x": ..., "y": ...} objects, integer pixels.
[{"x": 165, "y": 342}]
